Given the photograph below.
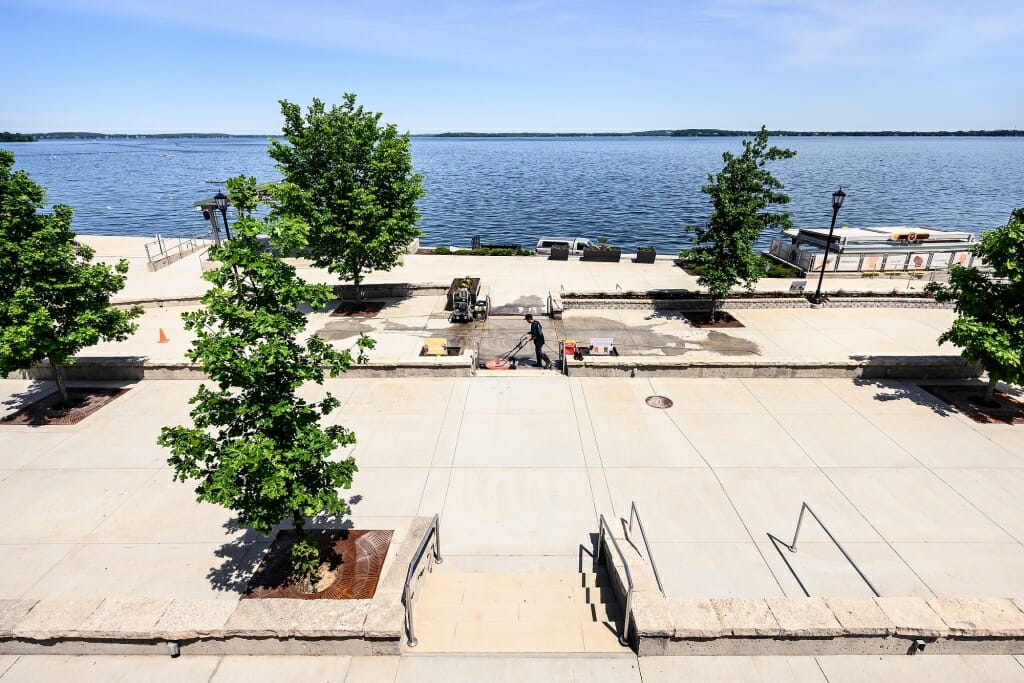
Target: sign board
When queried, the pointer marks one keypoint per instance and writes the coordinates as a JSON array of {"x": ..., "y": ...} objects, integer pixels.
[{"x": 797, "y": 286}]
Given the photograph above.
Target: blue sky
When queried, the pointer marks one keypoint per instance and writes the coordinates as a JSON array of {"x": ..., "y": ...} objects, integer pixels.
[{"x": 135, "y": 66}]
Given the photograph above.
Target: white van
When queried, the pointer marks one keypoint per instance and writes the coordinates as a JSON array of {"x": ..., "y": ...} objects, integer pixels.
[{"x": 576, "y": 244}]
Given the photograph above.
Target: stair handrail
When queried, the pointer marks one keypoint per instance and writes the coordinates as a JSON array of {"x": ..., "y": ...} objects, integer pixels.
[
  {"x": 791, "y": 547},
  {"x": 433, "y": 532},
  {"x": 602, "y": 528},
  {"x": 635, "y": 514}
]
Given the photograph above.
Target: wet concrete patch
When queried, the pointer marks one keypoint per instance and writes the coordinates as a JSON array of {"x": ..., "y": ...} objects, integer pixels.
[{"x": 728, "y": 345}]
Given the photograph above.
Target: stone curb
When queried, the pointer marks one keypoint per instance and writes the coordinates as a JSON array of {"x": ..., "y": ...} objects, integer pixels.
[
  {"x": 570, "y": 303},
  {"x": 886, "y": 367},
  {"x": 228, "y": 626}
]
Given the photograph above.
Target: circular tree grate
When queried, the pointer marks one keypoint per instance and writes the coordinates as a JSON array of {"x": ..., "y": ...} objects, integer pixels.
[{"x": 659, "y": 401}]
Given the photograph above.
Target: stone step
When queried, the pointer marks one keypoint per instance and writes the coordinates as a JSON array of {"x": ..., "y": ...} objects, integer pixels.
[
  {"x": 440, "y": 578},
  {"x": 515, "y": 589},
  {"x": 516, "y": 637},
  {"x": 522, "y": 612}
]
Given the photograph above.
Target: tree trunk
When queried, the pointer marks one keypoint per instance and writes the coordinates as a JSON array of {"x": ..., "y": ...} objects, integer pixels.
[
  {"x": 990, "y": 390},
  {"x": 62, "y": 389},
  {"x": 714, "y": 310},
  {"x": 357, "y": 280}
]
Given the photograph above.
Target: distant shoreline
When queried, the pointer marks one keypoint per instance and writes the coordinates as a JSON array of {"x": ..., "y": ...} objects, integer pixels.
[{"x": 677, "y": 133}]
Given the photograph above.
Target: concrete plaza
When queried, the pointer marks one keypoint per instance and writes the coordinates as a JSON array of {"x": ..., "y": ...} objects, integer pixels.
[{"x": 519, "y": 467}]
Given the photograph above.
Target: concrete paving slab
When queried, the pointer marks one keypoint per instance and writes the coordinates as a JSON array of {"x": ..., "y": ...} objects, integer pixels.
[
  {"x": 240, "y": 669},
  {"x": 913, "y": 505},
  {"x": 507, "y": 396},
  {"x": 741, "y": 441},
  {"x": 935, "y": 669},
  {"x": 22, "y": 448},
  {"x": 981, "y": 569},
  {"x": 844, "y": 440},
  {"x": 507, "y": 511},
  {"x": 996, "y": 492},
  {"x": 393, "y": 440},
  {"x": 383, "y": 395},
  {"x": 161, "y": 570},
  {"x": 706, "y": 396},
  {"x": 21, "y": 565},
  {"x": 372, "y": 669},
  {"x": 386, "y": 491},
  {"x": 51, "y": 504},
  {"x": 454, "y": 669},
  {"x": 6, "y": 662},
  {"x": 612, "y": 395},
  {"x": 649, "y": 439},
  {"x": 493, "y": 440},
  {"x": 760, "y": 669},
  {"x": 691, "y": 571},
  {"x": 111, "y": 669},
  {"x": 677, "y": 505},
  {"x": 799, "y": 396},
  {"x": 956, "y": 445},
  {"x": 825, "y": 572},
  {"x": 768, "y": 500}
]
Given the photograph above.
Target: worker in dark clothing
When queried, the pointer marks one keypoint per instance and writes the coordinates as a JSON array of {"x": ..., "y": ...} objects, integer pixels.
[{"x": 537, "y": 335}]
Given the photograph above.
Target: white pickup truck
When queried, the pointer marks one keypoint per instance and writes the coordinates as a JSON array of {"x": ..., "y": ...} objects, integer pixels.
[{"x": 576, "y": 244}]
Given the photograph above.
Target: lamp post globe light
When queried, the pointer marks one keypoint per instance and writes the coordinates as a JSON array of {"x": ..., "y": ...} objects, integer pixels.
[
  {"x": 837, "y": 203},
  {"x": 222, "y": 203}
]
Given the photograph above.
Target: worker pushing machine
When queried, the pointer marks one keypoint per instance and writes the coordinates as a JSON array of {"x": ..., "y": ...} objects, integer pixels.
[{"x": 537, "y": 335}]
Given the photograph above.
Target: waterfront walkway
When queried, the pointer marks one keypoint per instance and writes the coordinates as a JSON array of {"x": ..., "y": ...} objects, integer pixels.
[{"x": 519, "y": 466}]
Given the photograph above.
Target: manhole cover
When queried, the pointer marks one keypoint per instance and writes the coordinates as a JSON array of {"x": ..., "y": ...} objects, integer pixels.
[{"x": 659, "y": 401}]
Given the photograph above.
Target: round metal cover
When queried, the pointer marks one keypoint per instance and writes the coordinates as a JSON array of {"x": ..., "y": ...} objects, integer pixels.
[{"x": 659, "y": 401}]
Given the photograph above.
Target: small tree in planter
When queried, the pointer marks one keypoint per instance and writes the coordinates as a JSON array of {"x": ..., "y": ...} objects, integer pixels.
[
  {"x": 54, "y": 301},
  {"x": 645, "y": 254},
  {"x": 989, "y": 327},
  {"x": 741, "y": 194},
  {"x": 256, "y": 447},
  {"x": 602, "y": 251}
]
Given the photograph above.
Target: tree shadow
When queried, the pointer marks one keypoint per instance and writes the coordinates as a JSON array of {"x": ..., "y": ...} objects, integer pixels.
[
  {"x": 243, "y": 555},
  {"x": 37, "y": 390},
  {"x": 905, "y": 390}
]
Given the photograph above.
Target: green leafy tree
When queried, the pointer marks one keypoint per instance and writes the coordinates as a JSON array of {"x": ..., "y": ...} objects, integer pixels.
[
  {"x": 741, "y": 195},
  {"x": 989, "y": 327},
  {"x": 256, "y": 447},
  {"x": 351, "y": 180},
  {"x": 54, "y": 301}
]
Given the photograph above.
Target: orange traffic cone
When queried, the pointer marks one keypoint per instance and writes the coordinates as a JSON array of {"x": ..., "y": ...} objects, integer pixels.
[{"x": 163, "y": 337}]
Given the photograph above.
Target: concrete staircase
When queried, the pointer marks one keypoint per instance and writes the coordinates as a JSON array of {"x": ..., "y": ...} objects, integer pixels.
[{"x": 517, "y": 613}]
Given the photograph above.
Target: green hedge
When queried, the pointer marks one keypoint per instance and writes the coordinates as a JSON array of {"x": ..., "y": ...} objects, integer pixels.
[{"x": 483, "y": 252}]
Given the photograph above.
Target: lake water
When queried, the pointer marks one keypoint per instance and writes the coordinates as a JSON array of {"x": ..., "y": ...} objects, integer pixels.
[{"x": 634, "y": 190}]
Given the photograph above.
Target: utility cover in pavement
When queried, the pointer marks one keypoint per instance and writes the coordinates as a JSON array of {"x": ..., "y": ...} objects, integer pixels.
[{"x": 659, "y": 401}]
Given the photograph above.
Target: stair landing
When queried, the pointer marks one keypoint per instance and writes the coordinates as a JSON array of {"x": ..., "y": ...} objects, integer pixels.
[{"x": 517, "y": 613}]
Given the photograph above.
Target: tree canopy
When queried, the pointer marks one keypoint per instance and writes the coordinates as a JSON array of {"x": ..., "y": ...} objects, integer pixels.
[
  {"x": 54, "y": 301},
  {"x": 351, "y": 180},
  {"x": 741, "y": 195},
  {"x": 256, "y": 447},
  {"x": 989, "y": 327}
]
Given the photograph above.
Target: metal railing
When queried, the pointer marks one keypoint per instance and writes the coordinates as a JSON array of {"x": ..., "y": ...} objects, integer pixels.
[
  {"x": 161, "y": 249},
  {"x": 635, "y": 514},
  {"x": 791, "y": 547},
  {"x": 409, "y": 592},
  {"x": 627, "y": 615},
  {"x": 550, "y": 306}
]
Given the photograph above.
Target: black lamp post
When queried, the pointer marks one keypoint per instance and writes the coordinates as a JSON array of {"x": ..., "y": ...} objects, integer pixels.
[
  {"x": 222, "y": 204},
  {"x": 837, "y": 202}
]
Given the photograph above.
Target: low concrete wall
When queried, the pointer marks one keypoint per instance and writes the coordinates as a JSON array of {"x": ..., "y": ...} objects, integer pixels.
[
  {"x": 217, "y": 627},
  {"x": 877, "y": 367},
  {"x": 570, "y": 303},
  {"x": 133, "y": 369},
  {"x": 810, "y": 626}
]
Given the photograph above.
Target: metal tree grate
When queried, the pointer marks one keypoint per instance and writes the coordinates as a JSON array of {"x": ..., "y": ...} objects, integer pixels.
[{"x": 659, "y": 401}]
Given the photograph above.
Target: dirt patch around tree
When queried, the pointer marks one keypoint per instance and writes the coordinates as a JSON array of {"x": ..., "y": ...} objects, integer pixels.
[
  {"x": 352, "y": 562},
  {"x": 84, "y": 401},
  {"x": 703, "y": 319},
  {"x": 969, "y": 400}
]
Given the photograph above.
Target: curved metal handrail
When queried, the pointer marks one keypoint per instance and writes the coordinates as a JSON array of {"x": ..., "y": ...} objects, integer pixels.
[
  {"x": 602, "y": 527},
  {"x": 791, "y": 547},
  {"x": 432, "y": 532},
  {"x": 635, "y": 514}
]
